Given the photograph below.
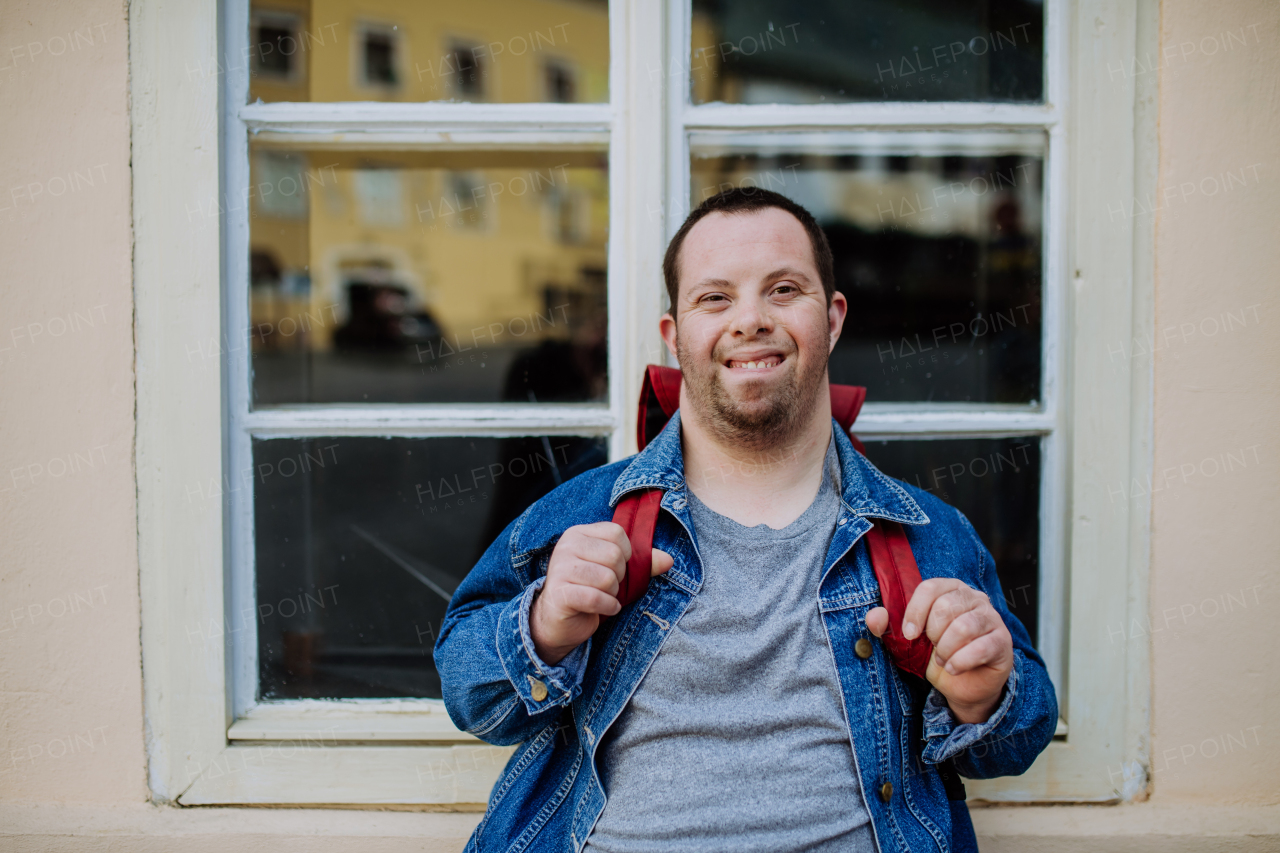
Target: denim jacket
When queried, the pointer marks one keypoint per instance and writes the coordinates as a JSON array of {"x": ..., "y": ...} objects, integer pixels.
[{"x": 550, "y": 795}]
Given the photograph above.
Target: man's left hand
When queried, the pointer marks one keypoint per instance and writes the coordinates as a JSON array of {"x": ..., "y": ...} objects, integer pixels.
[{"x": 972, "y": 649}]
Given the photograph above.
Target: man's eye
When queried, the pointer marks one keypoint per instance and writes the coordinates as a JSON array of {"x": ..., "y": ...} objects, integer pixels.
[{"x": 713, "y": 297}]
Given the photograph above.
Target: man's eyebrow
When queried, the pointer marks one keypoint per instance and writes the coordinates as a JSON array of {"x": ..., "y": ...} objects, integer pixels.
[
  {"x": 711, "y": 282},
  {"x": 787, "y": 272}
]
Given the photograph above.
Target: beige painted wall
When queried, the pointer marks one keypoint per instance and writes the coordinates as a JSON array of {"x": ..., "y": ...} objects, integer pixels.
[
  {"x": 1216, "y": 540},
  {"x": 69, "y": 652}
]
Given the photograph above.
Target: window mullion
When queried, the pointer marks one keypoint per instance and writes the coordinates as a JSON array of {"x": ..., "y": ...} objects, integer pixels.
[
  {"x": 927, "y": 115},
  {"x": 456, "y": 127},
  {"x": 446, "y": 115},
  {"x": 637, "y": 239},
  {"x": 429, "y": 419},
  {"x": 236, "y": 495}
]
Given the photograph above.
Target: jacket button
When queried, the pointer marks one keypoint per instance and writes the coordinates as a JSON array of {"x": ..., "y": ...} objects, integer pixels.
[
  {"x": 862, "y": 648},
  {"x": 537, "y": 689},
  {"x": 886, "y": 791}
]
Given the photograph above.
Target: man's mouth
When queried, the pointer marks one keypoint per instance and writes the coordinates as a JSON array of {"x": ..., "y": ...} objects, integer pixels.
[{"x": 762, "y": 363}]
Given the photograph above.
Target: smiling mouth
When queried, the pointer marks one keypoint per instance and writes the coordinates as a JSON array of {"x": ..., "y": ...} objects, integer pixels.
[{"x": 756, "y": 364}]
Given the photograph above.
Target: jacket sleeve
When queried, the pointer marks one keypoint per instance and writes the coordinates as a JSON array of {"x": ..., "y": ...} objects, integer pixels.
[
  {"x": 1022, "y": 725},
  {"x": 489, "y": 672}
]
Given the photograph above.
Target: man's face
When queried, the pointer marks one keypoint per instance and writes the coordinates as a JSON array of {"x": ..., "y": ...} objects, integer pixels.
[{"x": 754, "y": 329}]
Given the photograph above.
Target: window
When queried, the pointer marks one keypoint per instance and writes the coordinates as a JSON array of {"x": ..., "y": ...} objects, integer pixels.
[
  {"x": 459, "y": 287},
  {"x": 464, "y": 65},
  {"x": 561, "y": 86},
  {"x": 275, "y": 46},
  {"x": 430, "y": 313},
  {"x": 944, "y": 242},
  {"x": 378, "y": 62}
]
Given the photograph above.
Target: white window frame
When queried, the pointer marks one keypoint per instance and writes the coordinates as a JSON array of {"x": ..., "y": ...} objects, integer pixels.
[{"x": 209, "y": 743}]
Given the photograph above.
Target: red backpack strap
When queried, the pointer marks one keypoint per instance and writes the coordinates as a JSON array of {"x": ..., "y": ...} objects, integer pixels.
[
  {"x": 659, "y": 399},
  {"x": 846, "y": 402},
  {"x": 898, "y": 575},
  {"x": 638, "y": 515}
]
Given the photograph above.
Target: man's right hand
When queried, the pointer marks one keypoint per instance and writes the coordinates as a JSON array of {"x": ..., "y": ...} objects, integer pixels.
[{"x": 583, "y": 577}]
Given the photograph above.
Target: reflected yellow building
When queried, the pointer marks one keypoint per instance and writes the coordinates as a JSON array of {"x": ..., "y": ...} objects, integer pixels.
[{"x": 474, "y": 240}]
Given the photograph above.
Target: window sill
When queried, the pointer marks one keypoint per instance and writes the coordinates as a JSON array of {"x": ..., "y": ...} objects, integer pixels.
[{"x": 318, "y": 722}]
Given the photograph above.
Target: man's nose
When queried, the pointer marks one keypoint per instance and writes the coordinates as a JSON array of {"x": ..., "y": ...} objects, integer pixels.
[{"x": 751, "y": 317}]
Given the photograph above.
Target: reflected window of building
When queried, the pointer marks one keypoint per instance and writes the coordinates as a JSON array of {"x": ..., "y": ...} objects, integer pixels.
[
  {"x": 467, "y": 71},
  {"x": 561, "y": 86},
  {"x": 379, "y": 197},
  {"x": 276, "y": 46},
  {"x": 472, "y": 207},
  {"x": 378, "y": 64},
  {"x": 282, "y": 189}
]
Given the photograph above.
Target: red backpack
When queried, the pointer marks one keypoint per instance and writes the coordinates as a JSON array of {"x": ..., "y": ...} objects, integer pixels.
[{"x": 891, "y": 557}]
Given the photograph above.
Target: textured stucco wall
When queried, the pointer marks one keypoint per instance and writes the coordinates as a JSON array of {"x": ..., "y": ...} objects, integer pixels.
[
  {"x": 69, "y": 653},
  {"x": 1215, "y": 589}
]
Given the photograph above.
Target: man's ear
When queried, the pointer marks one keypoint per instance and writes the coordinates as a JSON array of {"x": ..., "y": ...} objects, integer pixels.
[
  {"x": 667, "y": 326},
  {"x": 836, "y": 312}
]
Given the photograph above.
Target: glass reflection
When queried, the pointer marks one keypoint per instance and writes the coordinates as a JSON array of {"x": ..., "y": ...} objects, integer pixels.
[
  {"x": 360, "y": 542},
  {"x": 832, "y": 51},
  {"x": 427, "y": 277},
  {"x": 995, "y": 482},
  {"x": 495, "y": 51},
  {"x": 939, "y": 258}
]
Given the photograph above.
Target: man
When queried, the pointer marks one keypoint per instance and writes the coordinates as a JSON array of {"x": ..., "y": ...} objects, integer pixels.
[{"x": 741, "y": 704}]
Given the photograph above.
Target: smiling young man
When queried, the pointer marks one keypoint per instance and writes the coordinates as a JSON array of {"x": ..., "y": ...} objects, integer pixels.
[{"x": 741, "y": 704}]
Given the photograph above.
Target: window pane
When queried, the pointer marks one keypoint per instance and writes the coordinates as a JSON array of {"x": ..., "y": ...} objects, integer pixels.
[
  {"x": 361, "y": 542},
  {"x": 939, "y": 257},
  {"x": 832, "y": 51},
  {"x": 383, "y": 277},
  {"x": 995, "y": 482},
  {"x": 495, "y": 51}
]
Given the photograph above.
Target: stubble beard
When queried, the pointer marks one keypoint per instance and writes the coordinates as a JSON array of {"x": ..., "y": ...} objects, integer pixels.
[{"x": 766, "y": 423}]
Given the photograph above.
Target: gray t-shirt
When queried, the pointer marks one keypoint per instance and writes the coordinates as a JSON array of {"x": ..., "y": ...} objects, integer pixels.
[{"x": 736, "y": 738}]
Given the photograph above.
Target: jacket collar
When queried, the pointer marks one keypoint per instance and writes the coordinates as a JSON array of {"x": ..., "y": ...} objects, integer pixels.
[{"x": 865, "y": 491}]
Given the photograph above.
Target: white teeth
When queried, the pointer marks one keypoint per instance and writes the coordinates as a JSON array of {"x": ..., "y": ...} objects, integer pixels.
[{"x": 754, "y": 365}]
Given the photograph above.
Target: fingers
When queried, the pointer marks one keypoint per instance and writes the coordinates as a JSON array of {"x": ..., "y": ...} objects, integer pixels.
[
  {"x": 949, "y": 607},
  {"x": 964, "y": 629},
  {"x": 661, "y": 562},
  {"x": 577, "y": 598},
  {"x": 917, "y": 612},
  {"x": 608, "y": 531},
  {"x": 603, "y": 543},
  {"x": 603, "y": 553},
  {"x": 582, "y": 573},
  {"x": 990, "y": 649},
  {"x": 877, "y": 621},
  {"x": 934, "y": 604}
]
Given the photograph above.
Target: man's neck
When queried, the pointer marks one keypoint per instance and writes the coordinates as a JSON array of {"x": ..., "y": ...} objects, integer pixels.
[{"x": 772, "y": 486}]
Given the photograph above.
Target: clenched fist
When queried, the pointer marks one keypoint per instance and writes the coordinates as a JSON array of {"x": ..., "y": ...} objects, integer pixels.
[
  {"x": 972, "y": 648},
  {"x": 583, "y": 579}
]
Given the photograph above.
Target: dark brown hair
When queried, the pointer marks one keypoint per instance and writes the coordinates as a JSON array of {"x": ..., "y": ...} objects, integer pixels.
[{"x": 750, "y": 200}]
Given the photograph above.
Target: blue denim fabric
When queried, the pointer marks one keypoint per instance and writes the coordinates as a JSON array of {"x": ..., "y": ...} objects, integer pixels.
[{"x": 549, "y": 795}]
